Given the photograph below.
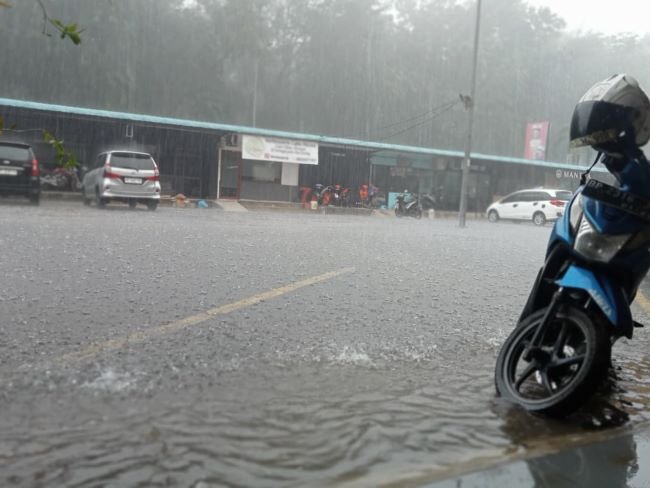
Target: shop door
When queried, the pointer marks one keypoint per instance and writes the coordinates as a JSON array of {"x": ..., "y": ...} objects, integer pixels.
[{"x": 230, "y": 175}]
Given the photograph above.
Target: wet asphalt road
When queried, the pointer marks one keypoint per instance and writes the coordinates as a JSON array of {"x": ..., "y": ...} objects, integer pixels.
[{"x": 335, "y": 350}]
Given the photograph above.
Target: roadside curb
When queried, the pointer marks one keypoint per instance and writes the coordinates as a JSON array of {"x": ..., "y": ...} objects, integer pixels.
[
  {"x": 165, "y": 201},
  {"x": 270, "y": 206}
]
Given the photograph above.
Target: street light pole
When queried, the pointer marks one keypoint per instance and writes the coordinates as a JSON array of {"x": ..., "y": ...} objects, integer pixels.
[
  {"x": 256, "y": 75},
  {"x": 469, "y": 103}
]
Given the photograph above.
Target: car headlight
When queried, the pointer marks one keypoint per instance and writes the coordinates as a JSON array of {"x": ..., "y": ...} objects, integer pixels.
[{"x": 598, "y": 247}]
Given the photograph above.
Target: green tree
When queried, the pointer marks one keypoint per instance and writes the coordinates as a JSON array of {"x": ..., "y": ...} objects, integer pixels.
[
  {"x": 65, "y": 31},
  {"x": 375, "y": 69}
]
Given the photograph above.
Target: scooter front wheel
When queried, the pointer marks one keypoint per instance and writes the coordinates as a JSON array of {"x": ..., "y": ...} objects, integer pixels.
[{"x": 562, "y": 371}]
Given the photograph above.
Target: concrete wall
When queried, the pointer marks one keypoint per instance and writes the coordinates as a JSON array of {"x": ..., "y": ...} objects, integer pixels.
[{"x": 271, "y": 192}]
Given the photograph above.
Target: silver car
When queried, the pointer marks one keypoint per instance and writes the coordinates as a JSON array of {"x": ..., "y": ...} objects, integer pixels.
[{"x": 125, "y": 176}]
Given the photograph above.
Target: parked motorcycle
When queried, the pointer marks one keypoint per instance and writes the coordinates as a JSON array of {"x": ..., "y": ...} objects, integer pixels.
[
  {"x": 53, "y": 181},
  {"x": 345, "y": 197},
  {"x": 597, "y": 256},
  {"x": 335, "y": 195},
  {"x": 60, "y": 179},
  {"x": 326, "y": 195},
  {"x": 316, "y": 195},
  {"x": 408, "y": 205},
  {"x": 428, "y": 203},
  {"x": 367, "y": 196},
  {"x": 336, "y": 199}
]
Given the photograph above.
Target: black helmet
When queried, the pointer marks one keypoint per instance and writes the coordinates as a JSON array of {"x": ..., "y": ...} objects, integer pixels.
[{"x": 612, "y": 114}]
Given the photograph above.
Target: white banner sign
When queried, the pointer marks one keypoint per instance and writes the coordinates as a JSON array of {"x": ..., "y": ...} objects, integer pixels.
[{"x": 281, "y": 150}]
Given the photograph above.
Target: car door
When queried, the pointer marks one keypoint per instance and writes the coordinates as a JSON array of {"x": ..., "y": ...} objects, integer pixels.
[
  {"x": 526, "y": 205},
  {"x": 509, "y": 207},
  {"x": 539, "y": 203}
]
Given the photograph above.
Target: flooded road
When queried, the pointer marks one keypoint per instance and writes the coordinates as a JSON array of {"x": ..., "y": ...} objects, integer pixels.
[{"x": 201, "y": 348}]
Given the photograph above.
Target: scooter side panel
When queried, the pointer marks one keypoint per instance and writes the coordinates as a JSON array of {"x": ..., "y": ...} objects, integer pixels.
[
  {"x": 609, "y": 299},
  {"x": 562, "y": 227}
]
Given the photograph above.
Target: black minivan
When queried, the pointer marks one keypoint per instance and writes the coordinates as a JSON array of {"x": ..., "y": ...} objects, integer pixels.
[{"x": 19, "y": 173}]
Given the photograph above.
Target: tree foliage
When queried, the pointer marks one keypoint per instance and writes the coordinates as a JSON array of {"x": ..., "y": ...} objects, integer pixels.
[
  {"x": 66, "y": 31},
  {"x": 387, "y": 70}
]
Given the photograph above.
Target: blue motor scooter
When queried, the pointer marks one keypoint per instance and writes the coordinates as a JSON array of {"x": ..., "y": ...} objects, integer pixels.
[{"x": 597, "y": 256}]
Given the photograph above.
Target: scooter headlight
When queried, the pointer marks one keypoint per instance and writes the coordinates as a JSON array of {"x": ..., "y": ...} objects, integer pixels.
[
  {"x": 598, "y": 247},
  {"x": 575, "y": 212}
]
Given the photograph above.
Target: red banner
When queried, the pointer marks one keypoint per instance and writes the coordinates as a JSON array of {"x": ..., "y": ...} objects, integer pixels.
[{"x": 536, "y": 140}]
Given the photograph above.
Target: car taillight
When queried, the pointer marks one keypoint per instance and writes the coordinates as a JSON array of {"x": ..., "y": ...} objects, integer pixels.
[
  {"x": 557, "y": 203},
  {"x": 156, "y": 174},
  {"x": 34, "y": 167},
  {"x": 108, "y": 173}
]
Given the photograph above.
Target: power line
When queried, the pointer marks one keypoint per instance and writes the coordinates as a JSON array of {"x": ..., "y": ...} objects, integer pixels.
[
  {"x": 410, "y": 119},
  {"x": 449, "y": 106},
  {"x": 415, "y": 117}
]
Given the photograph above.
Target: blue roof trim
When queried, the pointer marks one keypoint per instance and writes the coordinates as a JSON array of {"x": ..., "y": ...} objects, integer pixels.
[
  {"x": 339, "y": 141},
  {"x": 543, "y": 164}
]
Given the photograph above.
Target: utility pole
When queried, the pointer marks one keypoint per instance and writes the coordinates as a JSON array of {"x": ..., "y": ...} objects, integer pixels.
[
  {"x": 469, "y": 104},
  {"x": 369, "y": 79},
  {"x": 256, "y": 75}
]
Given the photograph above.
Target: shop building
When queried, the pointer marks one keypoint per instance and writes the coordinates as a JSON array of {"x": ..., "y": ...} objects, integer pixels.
[{"x": 210, "y": 160}]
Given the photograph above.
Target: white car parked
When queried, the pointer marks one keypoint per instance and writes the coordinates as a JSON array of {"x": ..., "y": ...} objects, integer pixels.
[
  {"x": 538, "y": 205},
  {"x": 125, "y": 176}
]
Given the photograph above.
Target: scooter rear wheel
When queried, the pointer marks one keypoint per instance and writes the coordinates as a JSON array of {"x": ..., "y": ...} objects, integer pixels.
[{"x": 563, "y": 371}]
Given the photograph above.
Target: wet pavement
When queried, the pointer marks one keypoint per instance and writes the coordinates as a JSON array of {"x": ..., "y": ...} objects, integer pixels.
[
  {"x": 621, "y": 459},
  {"x": 203, "y": 348}
]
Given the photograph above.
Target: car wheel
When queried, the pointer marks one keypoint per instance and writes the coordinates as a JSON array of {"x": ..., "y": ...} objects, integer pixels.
[
  {"x": 101, "y": 202},
  {"x": 493, "y": 216},
  {"x": 539, "y": 218},
  {"x": 152, "y": 205}
]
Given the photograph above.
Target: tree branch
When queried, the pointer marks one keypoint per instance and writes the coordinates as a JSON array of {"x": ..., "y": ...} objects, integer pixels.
[
  {"x": 46, "y": 17},
  {"x": 71, "y": 30}
]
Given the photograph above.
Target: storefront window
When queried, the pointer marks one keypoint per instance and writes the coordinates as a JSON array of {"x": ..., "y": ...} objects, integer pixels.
[{"x": 260, "y": 171}]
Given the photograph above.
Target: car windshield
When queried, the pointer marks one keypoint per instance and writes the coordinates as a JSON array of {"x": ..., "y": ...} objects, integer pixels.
[
  {"x": 132, "y": 161},
  {"x": 15, "y": 153}
]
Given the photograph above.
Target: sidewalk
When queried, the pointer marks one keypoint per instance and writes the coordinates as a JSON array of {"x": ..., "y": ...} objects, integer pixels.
[
  {"x": 165, "y": 200},
  {"x": 268, "y": 206}
]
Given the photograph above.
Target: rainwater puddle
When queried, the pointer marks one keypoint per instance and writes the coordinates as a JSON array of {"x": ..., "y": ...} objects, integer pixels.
[{"x": 320, "y": 423}]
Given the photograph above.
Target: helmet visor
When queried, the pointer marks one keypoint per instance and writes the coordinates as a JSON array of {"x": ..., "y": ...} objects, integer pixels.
[{"x": 597, "y": 122}]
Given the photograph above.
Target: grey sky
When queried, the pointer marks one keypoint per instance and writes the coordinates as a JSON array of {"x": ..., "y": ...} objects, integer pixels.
[{"x": 602, "y": 15}]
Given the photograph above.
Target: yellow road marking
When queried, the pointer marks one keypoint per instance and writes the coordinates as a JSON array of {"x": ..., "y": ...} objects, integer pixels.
[{"x": 120, "y": 342}]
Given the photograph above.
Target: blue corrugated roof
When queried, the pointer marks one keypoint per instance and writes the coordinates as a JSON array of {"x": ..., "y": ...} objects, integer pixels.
[{"x": 339, "y": 141}]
